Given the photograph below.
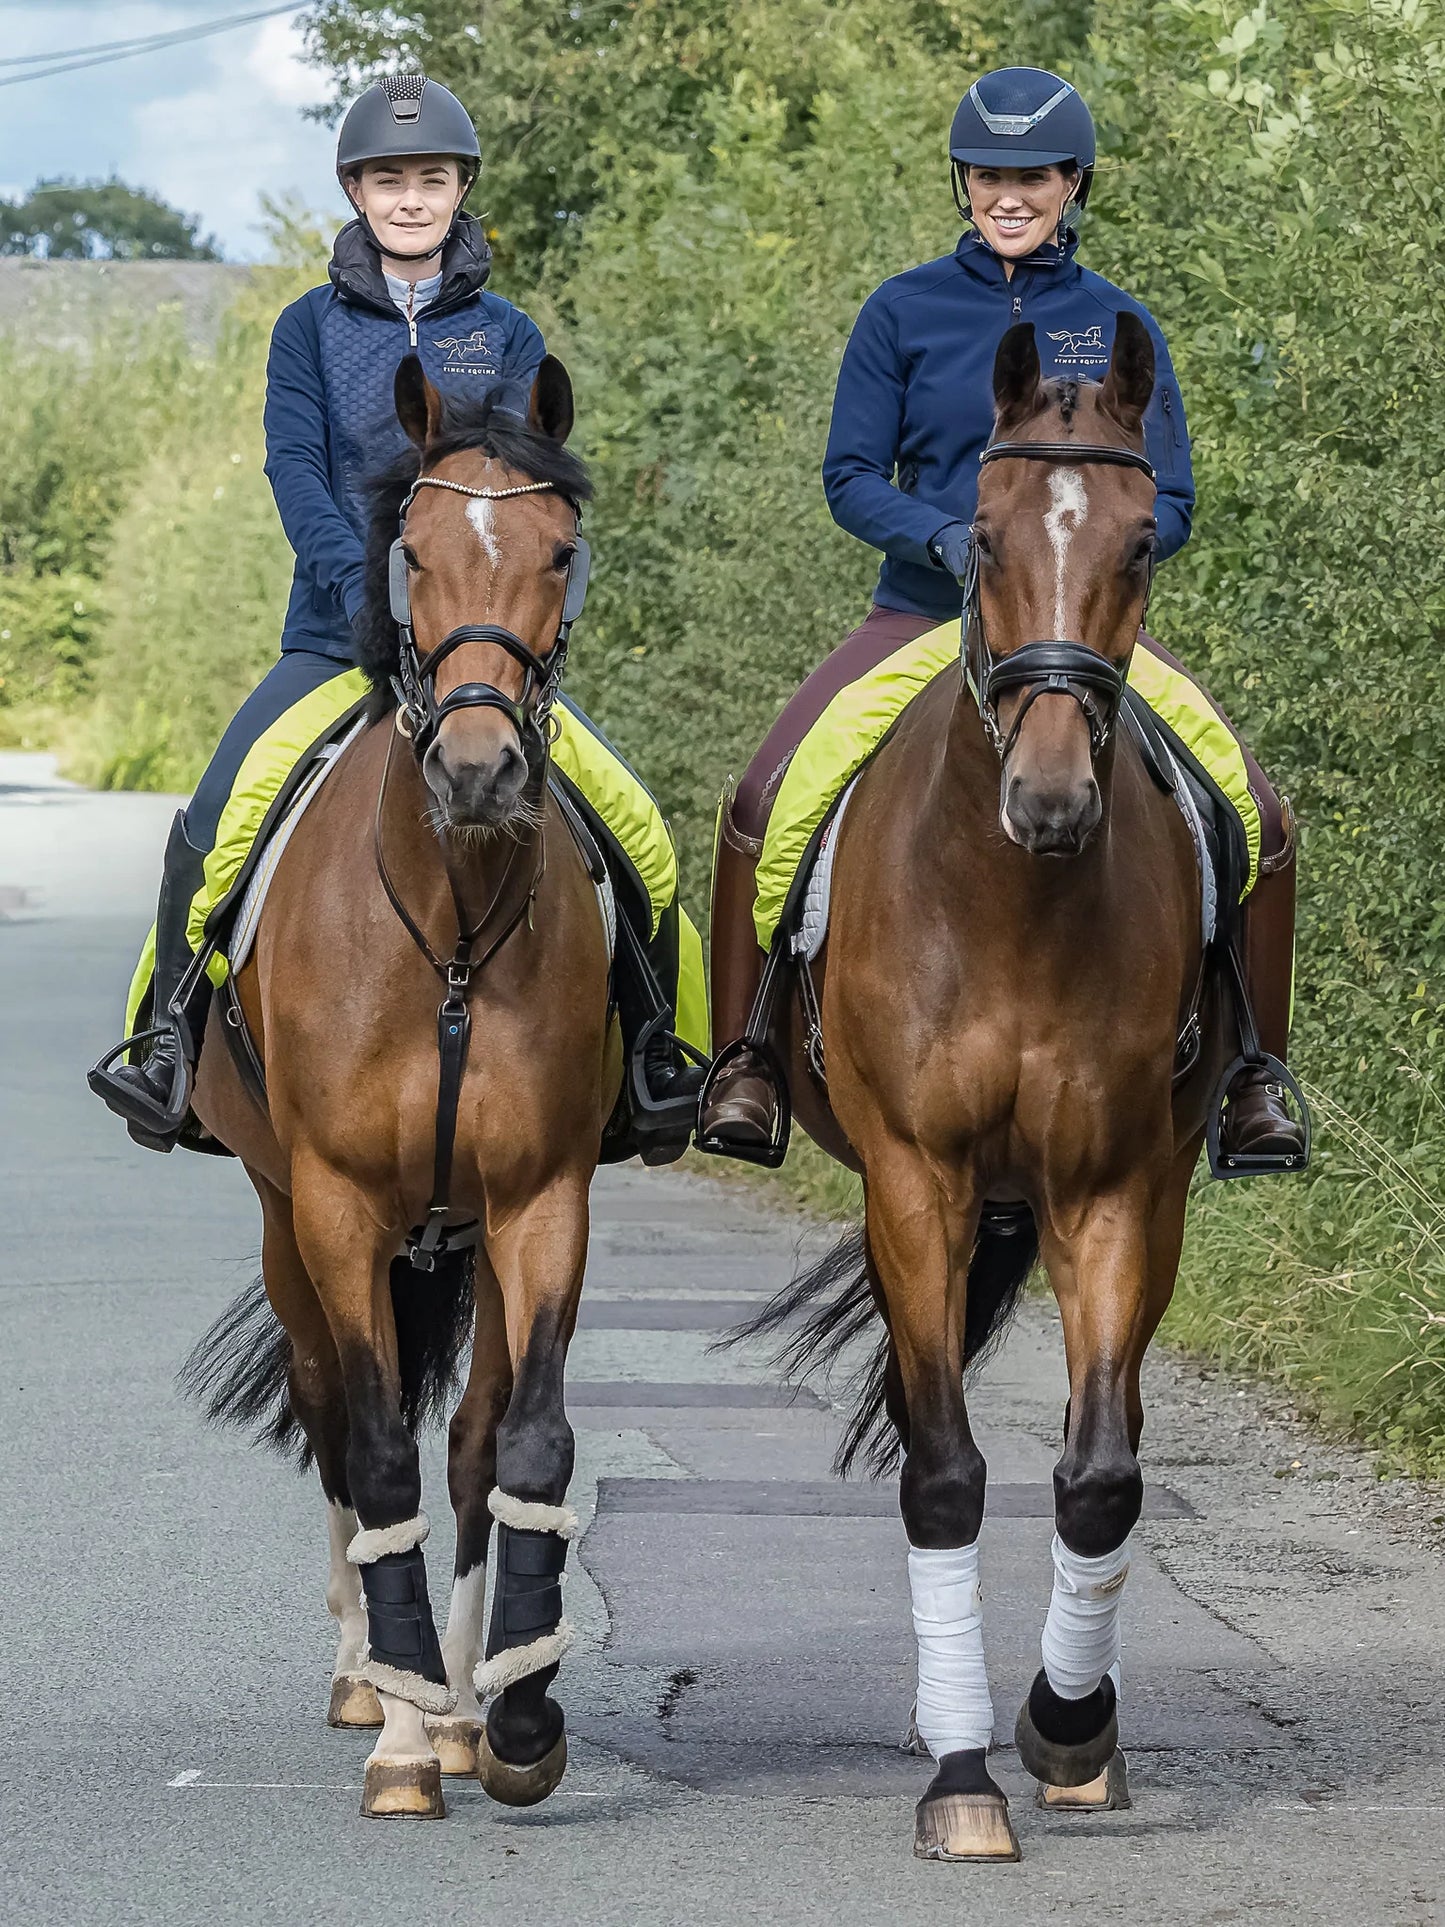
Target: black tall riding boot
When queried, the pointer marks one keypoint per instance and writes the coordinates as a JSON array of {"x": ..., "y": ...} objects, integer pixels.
[
  {"x": 154, "y": 1095},
  {"x": 1256, "y": 1121},
  {"x": 741, "y": 1106}
]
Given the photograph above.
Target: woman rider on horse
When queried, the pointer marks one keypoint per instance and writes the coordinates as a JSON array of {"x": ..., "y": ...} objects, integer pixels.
[
  {"x": 912, "y": 415},
  {"x": 408, "y": 275}
]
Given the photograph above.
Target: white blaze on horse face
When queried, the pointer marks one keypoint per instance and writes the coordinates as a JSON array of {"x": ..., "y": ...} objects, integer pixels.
[
  {"x": 462, "y": 1640},
  {"x": 343, "y": 1592},
  {"x": 481, "y": 515},
  {"x": 1068, "y": 514}
]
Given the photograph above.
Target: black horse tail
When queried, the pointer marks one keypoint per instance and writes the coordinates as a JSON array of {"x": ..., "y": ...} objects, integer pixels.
[
  {"x": 834, "y": 1300},
  {"x": 239, "y": 1372}
]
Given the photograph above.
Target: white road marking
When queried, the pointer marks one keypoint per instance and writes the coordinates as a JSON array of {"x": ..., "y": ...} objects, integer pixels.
[
  {"x": 1068, "y": 515},
  {"x": 186, "y": 1779},
  {"x": 193, "y": 1782},
  {"x": 479, "y": 514}
]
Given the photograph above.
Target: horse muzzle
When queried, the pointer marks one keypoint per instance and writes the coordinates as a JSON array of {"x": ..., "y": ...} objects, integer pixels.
[
  {"x": 1050, "y": 821},
  {"x": 476, "y": 791}
]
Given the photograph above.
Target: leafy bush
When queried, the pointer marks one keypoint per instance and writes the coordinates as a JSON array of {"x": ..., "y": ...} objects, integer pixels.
[{"x": 47, "y": 629}]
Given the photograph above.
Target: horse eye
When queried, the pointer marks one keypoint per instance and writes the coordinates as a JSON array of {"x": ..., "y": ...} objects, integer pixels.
[
  {"x": 409, "y": 556},
  {"x": 1143, "y": 552},
  {"x": 562, "y": 560},
  {"x": 981, "y": 541}
]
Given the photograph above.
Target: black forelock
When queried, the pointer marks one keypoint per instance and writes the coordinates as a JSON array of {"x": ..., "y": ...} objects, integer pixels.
[{"x": 487, "y": 428}]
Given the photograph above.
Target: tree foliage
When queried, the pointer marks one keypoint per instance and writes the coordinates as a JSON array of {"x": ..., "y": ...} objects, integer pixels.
[
  {"x": 694, "y": 198},
  {"x": 65, "y": 220}
]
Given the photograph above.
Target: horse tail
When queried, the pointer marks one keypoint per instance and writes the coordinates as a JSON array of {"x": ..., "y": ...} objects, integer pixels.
[
  {"x": 239, "y": 1372},
  {"x": 834, "y": 1301}
]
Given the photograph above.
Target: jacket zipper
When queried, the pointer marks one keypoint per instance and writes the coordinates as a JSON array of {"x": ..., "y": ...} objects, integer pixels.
[
  {"x": 1169, "y": 418},
  {"x": 411, "y": 314}
]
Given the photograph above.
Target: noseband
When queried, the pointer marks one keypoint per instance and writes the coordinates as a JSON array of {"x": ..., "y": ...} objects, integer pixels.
[
  {"x": 1053, "y": 666},
  {"x": 421, "y": 715}
]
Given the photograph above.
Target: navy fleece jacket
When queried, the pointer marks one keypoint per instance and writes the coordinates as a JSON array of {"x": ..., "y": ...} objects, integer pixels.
[
  {"x": 331, "y": 418},
  {"x": 914, "y": 407}
]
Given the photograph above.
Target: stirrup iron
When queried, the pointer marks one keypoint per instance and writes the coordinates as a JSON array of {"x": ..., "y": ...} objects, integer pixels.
[{"x": 755, "y": 1040}]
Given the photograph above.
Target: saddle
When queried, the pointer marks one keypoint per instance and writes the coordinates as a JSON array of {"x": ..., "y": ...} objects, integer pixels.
[
  {"x": 643, "y": 963},
  {"x": 1223, "y": 853}
]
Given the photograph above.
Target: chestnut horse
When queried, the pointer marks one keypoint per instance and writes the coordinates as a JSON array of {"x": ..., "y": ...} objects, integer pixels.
[
  {"x": 1014, "y": 951},
  {"x": 437, "y": 817}
]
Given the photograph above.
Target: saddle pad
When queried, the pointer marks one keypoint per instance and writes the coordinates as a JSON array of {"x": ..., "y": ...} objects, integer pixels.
[
  {"x": 813, "y": 923},
  {"x": 248, "y": 917},
  {"x": 860, "y": 717}
]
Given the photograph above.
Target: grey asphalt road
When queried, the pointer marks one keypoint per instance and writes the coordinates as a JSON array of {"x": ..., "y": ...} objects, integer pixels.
[{"x": 744, "y": 1671}]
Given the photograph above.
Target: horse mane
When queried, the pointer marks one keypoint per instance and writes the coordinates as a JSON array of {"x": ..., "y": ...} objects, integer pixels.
[{"x": 487, "y": 427}]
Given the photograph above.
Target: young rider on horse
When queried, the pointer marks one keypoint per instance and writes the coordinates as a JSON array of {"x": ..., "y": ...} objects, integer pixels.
[
  {"x": 912, "y": 415},
  {"x": 408, "y": 275}
]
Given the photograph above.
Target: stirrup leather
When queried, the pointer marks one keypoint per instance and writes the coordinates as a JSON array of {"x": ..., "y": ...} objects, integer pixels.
[
  {"x": 1252, "y": 1056},
  {"x": 755, "y": 1040}
]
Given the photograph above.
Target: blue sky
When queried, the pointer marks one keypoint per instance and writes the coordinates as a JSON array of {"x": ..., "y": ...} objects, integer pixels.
[{"x": 210, "y": 126}]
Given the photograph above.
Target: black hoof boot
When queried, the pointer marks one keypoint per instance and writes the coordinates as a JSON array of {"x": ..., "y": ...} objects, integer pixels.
[
  {"x": 520, "y": 1761},
  {"x": 1067, "y": 1742}
]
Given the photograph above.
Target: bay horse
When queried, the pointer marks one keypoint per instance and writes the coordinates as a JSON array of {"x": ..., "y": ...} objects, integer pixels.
[
  {"x": 436, "y": 824},
  {"x": 1013, "y": 956}
]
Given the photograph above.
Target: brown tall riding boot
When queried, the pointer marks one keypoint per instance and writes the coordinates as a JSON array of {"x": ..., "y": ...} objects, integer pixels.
[
  {"x": 1256, "y": 1121},
  {"x": 742, "y": 1106}
]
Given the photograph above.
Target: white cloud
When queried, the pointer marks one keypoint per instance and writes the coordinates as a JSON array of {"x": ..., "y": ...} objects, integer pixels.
[{"x": 212, "y": 126}]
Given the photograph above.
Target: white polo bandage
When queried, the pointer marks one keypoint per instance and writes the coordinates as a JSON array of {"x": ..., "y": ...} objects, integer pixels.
[
  {"x": 1081, "y": 1633},
  {"x": 955, "y": 1710}
]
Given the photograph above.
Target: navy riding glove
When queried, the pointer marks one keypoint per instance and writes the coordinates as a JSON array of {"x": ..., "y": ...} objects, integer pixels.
[{"x": 949, "y": 549}]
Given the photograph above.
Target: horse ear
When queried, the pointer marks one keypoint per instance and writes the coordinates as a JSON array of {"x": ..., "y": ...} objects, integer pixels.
[
  {"x": 1017, "y": 376},
  {"x": 1129, "y": 384},
  {"x": 550, "y": 409},
  {"x": 418, "y": 405}
]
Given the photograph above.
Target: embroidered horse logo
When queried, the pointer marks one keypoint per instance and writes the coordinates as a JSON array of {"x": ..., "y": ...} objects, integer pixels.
[
  {"x": 465, "y": 351},
  {"x": 1090, "y": 342}
]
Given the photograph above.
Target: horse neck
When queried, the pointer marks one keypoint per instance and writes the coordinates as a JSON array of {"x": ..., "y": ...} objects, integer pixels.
[
  {"x": 439, "y": 875},
  {"x": 959, "y": 826}
]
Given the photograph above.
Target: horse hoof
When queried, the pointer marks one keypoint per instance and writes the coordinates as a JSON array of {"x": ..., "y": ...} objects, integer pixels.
[
  {"x": 521, "y": 1786},
  {"x": 403, "y": 1789},
  {"x": 353, "y": 1702},
  {"x": 964, "y": 1826},
  {"x": 1072, "y": 1764},
  {"x": 1109, "y": 1793},
  {"x": 456, "y": 1742}
]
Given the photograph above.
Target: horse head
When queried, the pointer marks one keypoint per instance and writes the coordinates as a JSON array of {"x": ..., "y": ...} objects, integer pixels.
[
  {"x": 479, "y": 586},
  {"x": 1064, "y": 542}
]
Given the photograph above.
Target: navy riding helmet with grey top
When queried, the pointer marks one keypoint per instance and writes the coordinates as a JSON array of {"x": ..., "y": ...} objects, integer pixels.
[{"x": 1021, "y": 117}]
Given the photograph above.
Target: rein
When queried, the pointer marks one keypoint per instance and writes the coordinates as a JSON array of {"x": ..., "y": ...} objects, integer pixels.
[
  {"x": 1052, "y": 666},
  {"x": 419, "y": 718}
]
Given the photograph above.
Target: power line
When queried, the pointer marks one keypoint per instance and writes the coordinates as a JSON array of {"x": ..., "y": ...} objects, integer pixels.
[{"x": 102, "y": 54}]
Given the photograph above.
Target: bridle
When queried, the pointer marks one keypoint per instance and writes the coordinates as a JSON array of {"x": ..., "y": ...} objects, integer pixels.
[
  {"x": 1052, "y": 666},
  {"x": 420, "y": 715}
]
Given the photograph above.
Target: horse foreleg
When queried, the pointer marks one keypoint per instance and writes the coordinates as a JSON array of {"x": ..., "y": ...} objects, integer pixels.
[
  {"x": 919, "y": 1240},
  {"x": 539, "y": 1252},
  {"x": 318, "y": 1402},
  {"x": 349, "y": 1256},
  {"x": 1105, "y": 1270},
  {"x": 472, "y": 1475}
]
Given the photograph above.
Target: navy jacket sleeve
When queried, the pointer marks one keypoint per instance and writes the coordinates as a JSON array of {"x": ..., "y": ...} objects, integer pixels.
[
  {"x": 521, "y": 360},
  {"x": 863, "y": 444},
  {"x": 297, "y": 467},
  {"x": 1166, "y": 440}
]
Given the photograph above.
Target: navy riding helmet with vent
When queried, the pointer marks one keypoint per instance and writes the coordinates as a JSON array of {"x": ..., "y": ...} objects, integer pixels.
[
  {"x": 403, "y": 116},
  {"x": 1021, "y": 117}
]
